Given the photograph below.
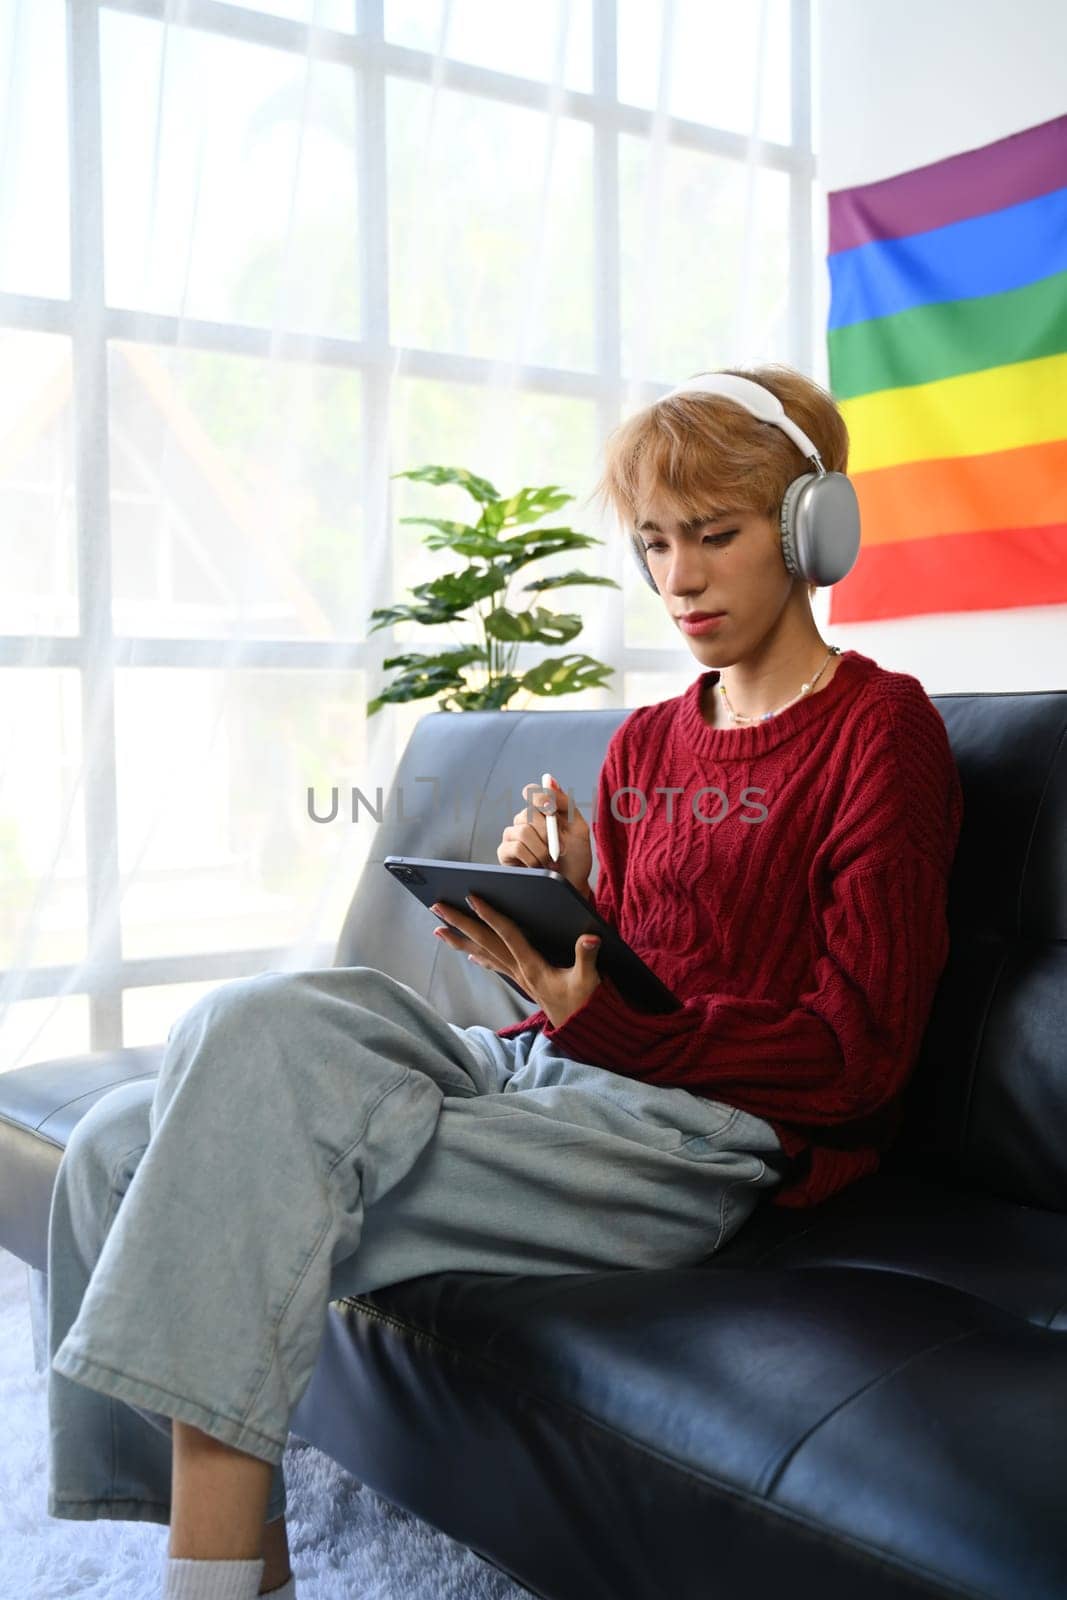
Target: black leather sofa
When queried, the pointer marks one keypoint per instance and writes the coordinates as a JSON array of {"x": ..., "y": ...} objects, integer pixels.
[{"x": 865, "y": 1398}]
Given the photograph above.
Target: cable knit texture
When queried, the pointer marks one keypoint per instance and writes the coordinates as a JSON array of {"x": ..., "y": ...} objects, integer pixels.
[{"x": 789, "y": 882}]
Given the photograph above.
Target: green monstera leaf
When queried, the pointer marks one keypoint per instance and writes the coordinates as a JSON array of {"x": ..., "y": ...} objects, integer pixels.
[
  {"x": 444, "y": 599},
  {"x": 537, "y": 627},
  {"x": 566, "y": 675},
  {"x": 493, "y": 697},
  {"x": 480, "y": 488},
  {"x": 564, "y": 579},
  {"x": 425, "y": 675}
]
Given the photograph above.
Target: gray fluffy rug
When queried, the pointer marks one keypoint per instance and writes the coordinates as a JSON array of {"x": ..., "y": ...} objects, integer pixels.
[{"x": 346, "y": 1542}]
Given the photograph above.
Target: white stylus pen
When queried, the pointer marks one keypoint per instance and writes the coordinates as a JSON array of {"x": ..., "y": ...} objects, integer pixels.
[{"x": 553, "y": 830}]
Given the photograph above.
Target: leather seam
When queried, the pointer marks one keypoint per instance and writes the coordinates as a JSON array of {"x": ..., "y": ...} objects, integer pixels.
[
  {"x": 976, "y": 1059},
  {"x": 1033, "y": 831},
  {"x": 34, "y": 1132},
  {"x": 849, "y": 1399},
  {"x": 25, "y": 1127}
]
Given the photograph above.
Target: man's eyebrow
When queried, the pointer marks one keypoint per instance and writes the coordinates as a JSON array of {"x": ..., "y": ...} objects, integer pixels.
[{"x": 687, "y": 527}]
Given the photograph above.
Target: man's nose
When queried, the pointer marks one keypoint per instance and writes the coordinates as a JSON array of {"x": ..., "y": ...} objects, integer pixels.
[{"x": 685, "y": 572}]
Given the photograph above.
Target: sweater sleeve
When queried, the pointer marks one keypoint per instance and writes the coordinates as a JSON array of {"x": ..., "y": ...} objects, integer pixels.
[
  {"x": 609, "y": 837},
  {"x": 841, "y": 1052}
]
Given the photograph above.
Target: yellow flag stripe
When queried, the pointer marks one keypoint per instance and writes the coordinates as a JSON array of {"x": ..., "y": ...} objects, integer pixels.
[{"x": 1002, "y": 408}]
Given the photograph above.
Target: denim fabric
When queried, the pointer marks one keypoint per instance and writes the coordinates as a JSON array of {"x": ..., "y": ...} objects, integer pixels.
[{"x": 318, "y": 1134}]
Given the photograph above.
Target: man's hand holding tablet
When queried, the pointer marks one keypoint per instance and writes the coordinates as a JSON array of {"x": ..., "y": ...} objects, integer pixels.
[
  {"x": 531, "y": 928},
  {"x": 500, "y": 944}
]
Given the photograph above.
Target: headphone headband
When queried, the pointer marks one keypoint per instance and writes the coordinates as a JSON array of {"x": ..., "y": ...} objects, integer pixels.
[{"x": 757, "y": 400}]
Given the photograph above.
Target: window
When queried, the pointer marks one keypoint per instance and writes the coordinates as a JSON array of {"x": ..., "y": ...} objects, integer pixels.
[{"x": 233, "y": 299}]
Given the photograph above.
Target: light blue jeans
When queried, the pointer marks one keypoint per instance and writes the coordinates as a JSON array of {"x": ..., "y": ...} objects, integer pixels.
[{"x": 318, "y": 1134}]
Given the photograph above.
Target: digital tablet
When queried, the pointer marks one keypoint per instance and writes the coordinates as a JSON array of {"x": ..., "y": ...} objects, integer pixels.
[{"x": 546, "y": 907}]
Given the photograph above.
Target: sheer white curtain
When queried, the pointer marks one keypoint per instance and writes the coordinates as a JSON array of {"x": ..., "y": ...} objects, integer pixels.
[{"x": 253, "y": 260}]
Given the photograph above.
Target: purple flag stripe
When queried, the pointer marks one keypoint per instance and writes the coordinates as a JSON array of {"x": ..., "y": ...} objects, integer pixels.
[{"x": 1020, "y": 167}]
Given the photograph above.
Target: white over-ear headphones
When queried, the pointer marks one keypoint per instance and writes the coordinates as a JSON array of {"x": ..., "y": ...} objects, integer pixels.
[{"x": 819, "y": 520}]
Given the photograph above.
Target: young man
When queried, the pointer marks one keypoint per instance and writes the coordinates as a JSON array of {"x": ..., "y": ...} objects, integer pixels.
[
  {"x": 318, "y": 1134},
  {"x": 776, "y": 841}
]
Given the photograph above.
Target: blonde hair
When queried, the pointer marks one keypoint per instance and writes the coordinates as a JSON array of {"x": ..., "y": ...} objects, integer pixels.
[{"x": 703, "y": 449}]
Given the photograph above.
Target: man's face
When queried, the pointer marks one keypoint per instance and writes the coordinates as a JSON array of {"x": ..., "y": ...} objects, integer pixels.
[{"x": 731, "y": 563}]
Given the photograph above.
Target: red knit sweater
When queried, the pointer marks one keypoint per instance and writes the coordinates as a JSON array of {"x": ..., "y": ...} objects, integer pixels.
[{"x": 797, "y": 908}]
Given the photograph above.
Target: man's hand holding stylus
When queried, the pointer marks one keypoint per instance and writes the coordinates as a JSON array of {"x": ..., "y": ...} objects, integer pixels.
[
  {"x": 492, "y": 940},
  {"x": 525, "y": 842}
]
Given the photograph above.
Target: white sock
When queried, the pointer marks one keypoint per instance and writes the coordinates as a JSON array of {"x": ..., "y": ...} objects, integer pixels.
[{"x": 212, "y": 1580}]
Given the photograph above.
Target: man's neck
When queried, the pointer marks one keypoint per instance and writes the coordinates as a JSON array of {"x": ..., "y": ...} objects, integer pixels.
[{"x": 753, "y": 692}]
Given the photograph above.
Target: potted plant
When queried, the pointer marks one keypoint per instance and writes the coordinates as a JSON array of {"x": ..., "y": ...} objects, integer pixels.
[{"x": 494, "y": 554}]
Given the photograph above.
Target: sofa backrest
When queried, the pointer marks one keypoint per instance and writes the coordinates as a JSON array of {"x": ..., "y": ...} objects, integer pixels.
[{"x": 987, "y": 1105}]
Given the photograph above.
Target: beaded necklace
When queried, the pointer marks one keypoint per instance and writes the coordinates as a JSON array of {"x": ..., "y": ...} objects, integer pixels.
[{"x": 805, "y": 688}]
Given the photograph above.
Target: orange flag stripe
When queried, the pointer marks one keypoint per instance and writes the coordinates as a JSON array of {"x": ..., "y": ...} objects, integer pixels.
[{"x": 1026, "y": 487}]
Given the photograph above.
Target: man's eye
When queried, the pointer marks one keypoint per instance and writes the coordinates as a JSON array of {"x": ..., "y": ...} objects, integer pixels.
[{"x": 716, "y": 539}]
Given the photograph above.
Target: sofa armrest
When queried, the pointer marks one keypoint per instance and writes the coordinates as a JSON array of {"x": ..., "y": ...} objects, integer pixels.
[{"x": 39, "y": 1107}]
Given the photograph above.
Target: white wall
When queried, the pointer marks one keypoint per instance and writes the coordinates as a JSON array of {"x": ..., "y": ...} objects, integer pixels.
[{"x": 898, "y": 84}]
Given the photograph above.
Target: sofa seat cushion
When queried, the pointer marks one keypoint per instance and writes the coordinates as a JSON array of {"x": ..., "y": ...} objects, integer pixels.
[
  {"x": 1006, "y": 1253},
  {"x": 874, "y": 1408}
]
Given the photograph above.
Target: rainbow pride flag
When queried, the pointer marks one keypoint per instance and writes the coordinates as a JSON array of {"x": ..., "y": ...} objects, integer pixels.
[{"x": 948, "y": 357}]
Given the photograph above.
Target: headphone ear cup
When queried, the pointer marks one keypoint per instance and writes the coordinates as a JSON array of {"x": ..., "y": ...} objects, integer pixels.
[
  {"x": 819, "y": 525},
  {"x": 787, "y": 526},
  {"x": 642, "y": 564}
]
